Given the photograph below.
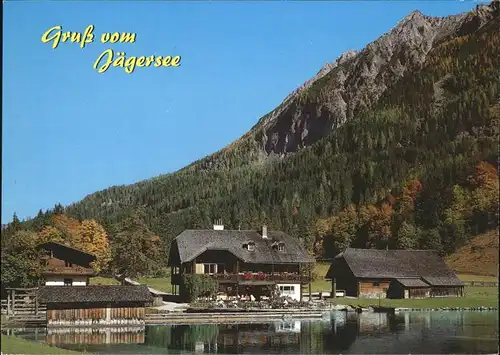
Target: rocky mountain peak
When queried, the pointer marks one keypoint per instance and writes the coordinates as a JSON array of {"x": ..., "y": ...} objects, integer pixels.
[
  {"x": 414, "y": 15},
  {"x": 488, "y": 10},
  {"x": 357, "y": 79}
]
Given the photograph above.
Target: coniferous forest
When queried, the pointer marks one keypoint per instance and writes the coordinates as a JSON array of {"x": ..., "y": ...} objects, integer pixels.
[{"x": 417, "y": 169}]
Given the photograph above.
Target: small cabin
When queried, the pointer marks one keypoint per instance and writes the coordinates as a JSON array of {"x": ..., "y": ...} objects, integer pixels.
[
  {"x": 95, "y": 305},
  {"x": 66, "y": 266}
]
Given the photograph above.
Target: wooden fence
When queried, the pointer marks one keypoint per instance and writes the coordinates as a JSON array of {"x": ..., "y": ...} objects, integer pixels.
[
  {"x": 481, "y": 283},
  {"x": 22, "y": 301}
]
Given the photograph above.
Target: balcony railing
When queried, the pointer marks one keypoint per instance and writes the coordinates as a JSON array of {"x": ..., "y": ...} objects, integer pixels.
[
  {"x": 277, "y": 277},
  {"x": 67, "y": 270},
  {"x": 254, "y": 276}
]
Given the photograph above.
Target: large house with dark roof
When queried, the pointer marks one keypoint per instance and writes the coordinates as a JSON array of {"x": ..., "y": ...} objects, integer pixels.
[
  {"x": 244, "y": 262},
  {"x": 65, "y": 265},
  {"x": 374, "y": 273}
]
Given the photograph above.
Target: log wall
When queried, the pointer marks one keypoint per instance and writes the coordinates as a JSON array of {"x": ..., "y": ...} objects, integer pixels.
[
  {"x": 99, "y": 315},
  {"x": 397, "y": 290},
  {"x": 373, "y": 288},
  {"x": 446, "y": 291},
  {"x": 419, "y": 292}
]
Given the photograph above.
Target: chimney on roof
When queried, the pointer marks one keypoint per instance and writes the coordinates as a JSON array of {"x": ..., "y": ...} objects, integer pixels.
[
  {"x": 218, "y": 226},
  {"x": 264, "y": 232}
]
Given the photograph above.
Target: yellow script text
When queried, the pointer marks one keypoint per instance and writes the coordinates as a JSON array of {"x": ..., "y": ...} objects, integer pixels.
[
  {"x": 56, "y": 35},
  {"x": 109, "y": 59}
]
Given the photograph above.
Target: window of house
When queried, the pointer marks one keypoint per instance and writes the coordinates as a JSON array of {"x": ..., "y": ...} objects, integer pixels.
[
  {"x": 279, "y": 246},
  {"x": 210, "y": 269},
  {"x": 68, "y": 263},
  {"x": 376, "y": 284},
  {"x": 287, "y": 290},
  {"x": 68, "y": 282}
]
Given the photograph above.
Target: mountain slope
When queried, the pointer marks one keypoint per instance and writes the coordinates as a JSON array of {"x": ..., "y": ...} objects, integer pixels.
[
  {"x": 354, "y": 83},
  {"x": 479, "y": 256},
  {"x": 421, "y": 101}
]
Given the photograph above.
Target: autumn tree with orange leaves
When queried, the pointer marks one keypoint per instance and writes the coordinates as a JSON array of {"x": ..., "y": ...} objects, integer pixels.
[
  {"x": 50, "y": 234},
  {"x": 92, "y": 238},
  {"x": 484, "y": 197},
  {"x": 376, "y": 225}
]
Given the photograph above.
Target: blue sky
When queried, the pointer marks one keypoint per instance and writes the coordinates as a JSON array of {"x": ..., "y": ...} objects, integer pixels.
[{"x": 68, "y": 131}]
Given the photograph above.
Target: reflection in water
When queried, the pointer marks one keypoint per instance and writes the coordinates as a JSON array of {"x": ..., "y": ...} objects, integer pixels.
[
  {"x": 125, "y": 335},
  {"x": 228, "y": 338},
  {"x": 414, "y": 332},
  {"x": 417, "y": 332}
]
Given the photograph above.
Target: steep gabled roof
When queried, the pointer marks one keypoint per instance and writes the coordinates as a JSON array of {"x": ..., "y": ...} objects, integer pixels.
[
  {"x": 79, "y": 256},
  {"x": 398, "y": 264},
  {"x": 192, "y": 243},
  {"x": 94, "y": 293}
]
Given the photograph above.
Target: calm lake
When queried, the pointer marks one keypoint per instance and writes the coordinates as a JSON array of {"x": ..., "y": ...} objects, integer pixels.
[{"x": 339, "y": 332}]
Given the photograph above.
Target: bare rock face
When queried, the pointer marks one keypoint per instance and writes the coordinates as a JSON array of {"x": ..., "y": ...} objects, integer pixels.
[{"x": 357, "y": 79}]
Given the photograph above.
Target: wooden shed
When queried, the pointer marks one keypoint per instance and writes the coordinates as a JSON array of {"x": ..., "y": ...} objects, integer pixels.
[
  {"x": 95, "y": 305},
  {"x": 372, "y": 273},
  {"x": 409, "y": 288}
]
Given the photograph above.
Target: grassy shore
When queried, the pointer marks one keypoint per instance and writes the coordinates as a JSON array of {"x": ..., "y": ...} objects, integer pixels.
[
  {"x": 14, "y": 345},
  {"x": 320, "y": 284},
  {"x": 158, "y": 283},
  {"x": 474, "y": 297}
]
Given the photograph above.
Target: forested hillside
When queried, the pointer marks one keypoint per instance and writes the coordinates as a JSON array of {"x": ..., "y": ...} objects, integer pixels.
[{"x": 413, "y": 166}]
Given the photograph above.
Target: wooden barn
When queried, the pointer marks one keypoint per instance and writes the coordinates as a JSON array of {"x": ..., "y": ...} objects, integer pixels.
[
  {"x": 95, "y": 305},
  {"x": 372, "y": 273}
]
